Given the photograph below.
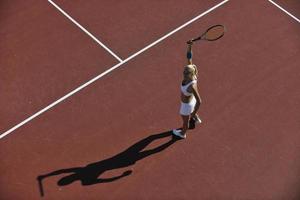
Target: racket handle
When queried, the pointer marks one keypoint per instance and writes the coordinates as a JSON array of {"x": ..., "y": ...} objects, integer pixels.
[
  {"x": 190, "y": 42},
  {"x": 198, "y": 38}
]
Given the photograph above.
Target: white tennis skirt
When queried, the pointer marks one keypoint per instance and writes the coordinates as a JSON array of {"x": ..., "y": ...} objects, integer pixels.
[{"x": 187, "y": 108}]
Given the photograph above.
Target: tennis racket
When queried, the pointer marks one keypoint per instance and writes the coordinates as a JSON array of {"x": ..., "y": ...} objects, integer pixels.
[{"x": 211, "y": 34}]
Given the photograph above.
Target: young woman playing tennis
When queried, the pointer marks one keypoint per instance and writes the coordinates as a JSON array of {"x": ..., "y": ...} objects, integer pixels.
[{"x": 190, "y": 98}]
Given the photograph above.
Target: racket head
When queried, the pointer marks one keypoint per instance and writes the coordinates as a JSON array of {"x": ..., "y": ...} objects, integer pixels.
[{"x": 214, "y": 33}]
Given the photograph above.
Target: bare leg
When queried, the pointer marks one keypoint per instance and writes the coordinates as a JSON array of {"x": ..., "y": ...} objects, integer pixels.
[{"x": 185, "y": 126}]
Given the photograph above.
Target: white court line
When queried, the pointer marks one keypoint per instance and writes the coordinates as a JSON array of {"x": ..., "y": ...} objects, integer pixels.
[
  {"x": 108, "y": 71},
  {"x": 84, "y": 30},
  {"x": 278, "y": 6}
]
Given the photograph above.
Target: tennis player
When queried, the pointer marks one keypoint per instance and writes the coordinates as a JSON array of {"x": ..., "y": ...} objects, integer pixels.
[{"x": 190, "y": 98}]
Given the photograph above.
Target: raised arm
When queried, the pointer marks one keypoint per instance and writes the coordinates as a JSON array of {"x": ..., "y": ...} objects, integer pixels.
[{"x": 189, "y": 53}]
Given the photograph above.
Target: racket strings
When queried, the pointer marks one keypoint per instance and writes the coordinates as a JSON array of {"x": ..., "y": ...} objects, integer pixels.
[{"x": 215, "y": 33}]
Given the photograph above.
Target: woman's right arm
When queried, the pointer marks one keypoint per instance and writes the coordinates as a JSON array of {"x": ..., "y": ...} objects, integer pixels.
[{"x": 197, "y": 97}]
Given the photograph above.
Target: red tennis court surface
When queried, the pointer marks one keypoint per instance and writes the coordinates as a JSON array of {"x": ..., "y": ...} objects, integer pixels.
[
  {"x": 111, "y": 140},
  {"x": 41, "y": 58}
]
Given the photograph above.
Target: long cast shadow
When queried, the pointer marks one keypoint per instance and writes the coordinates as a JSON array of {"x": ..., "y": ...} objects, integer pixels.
[{"x": 91, "y": 173}]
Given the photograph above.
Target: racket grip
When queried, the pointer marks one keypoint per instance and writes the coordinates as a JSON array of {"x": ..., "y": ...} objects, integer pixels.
[
  {"x": 190, "y": 42},
  {"x": 198, "y": 38}
]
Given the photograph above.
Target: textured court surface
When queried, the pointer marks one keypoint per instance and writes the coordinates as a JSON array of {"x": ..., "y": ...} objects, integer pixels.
[{"x": 246, "y": 149}]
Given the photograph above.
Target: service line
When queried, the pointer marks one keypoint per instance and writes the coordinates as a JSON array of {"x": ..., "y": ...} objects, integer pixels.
[{"x": 84, "y": 30}]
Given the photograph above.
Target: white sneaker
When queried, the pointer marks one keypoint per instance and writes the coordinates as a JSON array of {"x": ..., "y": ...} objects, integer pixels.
[
  {"x": 197, "y": 119},
  {"x": 177, "y": 132}
]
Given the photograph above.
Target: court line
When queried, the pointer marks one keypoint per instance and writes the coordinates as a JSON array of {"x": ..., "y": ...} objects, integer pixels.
[
  {"x": 108, "y": 71},
  {"x": 281, "y": 8},
  {"x": 86, "y": 31}
]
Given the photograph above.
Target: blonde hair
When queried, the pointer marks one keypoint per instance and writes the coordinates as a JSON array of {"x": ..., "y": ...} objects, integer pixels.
[{"x": 190, "y": 71}]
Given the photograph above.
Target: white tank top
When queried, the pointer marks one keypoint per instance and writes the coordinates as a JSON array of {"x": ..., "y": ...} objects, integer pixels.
[{"x": 185, "y": 87}]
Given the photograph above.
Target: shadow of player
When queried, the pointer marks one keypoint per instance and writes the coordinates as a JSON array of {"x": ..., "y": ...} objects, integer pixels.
[{"x": 91, "y": 173}]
